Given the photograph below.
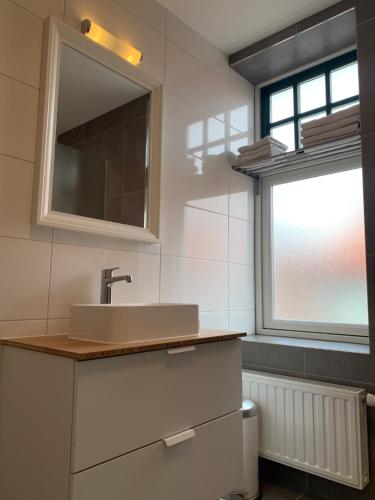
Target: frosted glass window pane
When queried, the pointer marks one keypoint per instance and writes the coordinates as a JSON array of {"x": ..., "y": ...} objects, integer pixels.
[
  {"x": 282, "y": 105},
  {"x": 344, "y": 106},
  {"x": 344, "y": 82},
  {"x": 312, "y": 94},
  {"x": 309, "y": 119},
  {"x": 319, "y": 272},
  {"x": 285, "y": 134}
]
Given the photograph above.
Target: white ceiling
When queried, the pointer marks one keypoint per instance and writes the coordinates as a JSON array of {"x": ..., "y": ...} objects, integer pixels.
[{"x": 234, "y": 24}]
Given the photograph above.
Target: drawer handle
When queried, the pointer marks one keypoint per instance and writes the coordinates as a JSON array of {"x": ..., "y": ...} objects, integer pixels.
[
  {"x": 180, "y": 350},
  {"x": 179, "y": 438}
]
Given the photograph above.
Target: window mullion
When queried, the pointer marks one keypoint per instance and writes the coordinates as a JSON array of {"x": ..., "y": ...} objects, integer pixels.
[
  {"x": 296, "y": 130},
  {"x": 328, "y": 93},
  {"x": 293, "y": 81}
]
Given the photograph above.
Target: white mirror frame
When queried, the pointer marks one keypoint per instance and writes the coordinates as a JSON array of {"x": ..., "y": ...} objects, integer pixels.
[{"x": 57, "y": 33}]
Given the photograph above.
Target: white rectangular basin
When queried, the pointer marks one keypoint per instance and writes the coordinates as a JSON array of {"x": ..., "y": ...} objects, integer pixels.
[{"x": 120, "y": 323}]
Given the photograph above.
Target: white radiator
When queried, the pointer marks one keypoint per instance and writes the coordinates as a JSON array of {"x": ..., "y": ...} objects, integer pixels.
[{"x": 316, "y": 427}]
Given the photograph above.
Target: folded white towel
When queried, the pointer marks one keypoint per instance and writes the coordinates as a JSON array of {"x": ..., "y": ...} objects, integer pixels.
[
  {"x": 256, "y": 155},
  {"x": 267, "y": 148},
  {"x": 308, "y": 132},
  {"x": 268, "y": 140},
  {"x": 335, "y": 117},
  {"x": 325, "y": 141},
  {"x": 349, "y": 130}
]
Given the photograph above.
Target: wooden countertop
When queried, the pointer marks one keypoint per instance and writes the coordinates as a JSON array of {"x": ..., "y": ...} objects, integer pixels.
[{"x": 82, "y": 350}]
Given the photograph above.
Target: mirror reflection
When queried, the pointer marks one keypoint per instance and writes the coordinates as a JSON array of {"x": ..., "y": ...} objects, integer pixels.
[{"x": 101, "y": 149}]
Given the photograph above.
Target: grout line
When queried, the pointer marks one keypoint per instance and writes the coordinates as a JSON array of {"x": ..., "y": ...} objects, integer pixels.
[
  {"x": 201, "y": 110},
  {"x": 21, "y": 320},
  {"x": 226, "y": 261},
  {"x": 204, "y": 159},
  {"x": 369, "y": 19},
  {"x": 226, "y": 120},
  {"x": 95, "y": 247},
  {"x": 203, "y": 63},
  {"x": 17, "y": 158},
  {"x": 165, "y": 50},
  {"x": 182, "y": 204},
  {"x": 161, "y": 201},
  {"x": 160, "y": 33},
  {"x": 160, "y": 268},
  {"x": 6, "y": 75},
  {"x": 25, "y": 9},
  {"x": 316, "y": 377},
  {"x": 248, "y": 221},
  {"x": 49, "y": 284},
  {"x": 35, "y": 240},
  {"x": 272, "y": 370}
]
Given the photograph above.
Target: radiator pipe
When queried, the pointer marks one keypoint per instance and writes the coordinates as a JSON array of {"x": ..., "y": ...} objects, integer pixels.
[{"x": 370, "y": 399}]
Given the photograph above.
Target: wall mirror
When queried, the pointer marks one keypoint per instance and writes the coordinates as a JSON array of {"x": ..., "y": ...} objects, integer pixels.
[{"x": 98, "y": 163}]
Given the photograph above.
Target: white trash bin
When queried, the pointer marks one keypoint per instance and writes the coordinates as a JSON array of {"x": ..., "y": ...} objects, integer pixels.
[
  {"x": 250, "y": 450},
  {"x": 249, "y": 489}
]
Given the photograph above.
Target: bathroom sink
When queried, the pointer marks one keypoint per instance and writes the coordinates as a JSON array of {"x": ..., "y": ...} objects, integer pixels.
[{"x": 120, "y": 323}]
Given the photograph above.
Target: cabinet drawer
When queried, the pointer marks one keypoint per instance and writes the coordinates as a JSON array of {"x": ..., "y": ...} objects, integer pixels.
[
  {"x": 127, "y": 402},
  {"x": 204, "y": 467}
]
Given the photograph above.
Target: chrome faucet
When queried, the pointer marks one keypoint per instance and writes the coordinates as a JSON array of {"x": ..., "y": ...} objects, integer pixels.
[{"x": 107, "y": 281}]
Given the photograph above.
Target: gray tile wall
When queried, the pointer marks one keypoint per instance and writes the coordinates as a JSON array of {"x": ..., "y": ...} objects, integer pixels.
[
  {"x": 332, "y": 366},
  {"x": 110, "y": 181}
]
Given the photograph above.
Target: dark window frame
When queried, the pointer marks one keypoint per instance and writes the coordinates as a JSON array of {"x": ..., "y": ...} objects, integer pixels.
[{"x": 293, "y": 81}]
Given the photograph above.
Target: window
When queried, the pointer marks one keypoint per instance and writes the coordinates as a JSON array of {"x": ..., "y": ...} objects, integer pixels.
[
  {"x": 323, "y": 89},
  {"x": 311, "y": 267}
]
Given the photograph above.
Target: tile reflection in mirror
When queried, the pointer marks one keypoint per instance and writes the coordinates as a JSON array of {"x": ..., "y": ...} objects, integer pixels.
[{"x": 101, "y": 153}]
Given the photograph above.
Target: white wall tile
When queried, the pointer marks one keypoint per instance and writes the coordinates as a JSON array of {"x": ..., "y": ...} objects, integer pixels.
[
  {"x": 242, "y": 321},
  {"x": 188, "y": 180},
  {"x": 241, "y": 241},
  {"x": 25, "y": 328},
  {"x": 214, "y": 320},
  {"x": 238, "y": 139},
  {"x": 58, "y": 326},
  {"x": 239, "y": 84},
  {"x": 196, "y": 175},
  {"x": 24, "y": 270},
  {"x": 43, "y": 8},
  {"x": 195, "y": 281},
  {"x": 76, "y": 277},
  {"x": 151, "y": 12},
  {"x": 241, "y": 106},
  {"x": 123, "y": 24},
  {"x": 99, "y": 241},
  {"x": 193, "y": 131},
  {"x": 241, "y": 197},
  {"x": 191, "y": 41},
  {"x": 190, "y": 232},
  {"x": 191, "y": 80},
  {"x": 18, "y": 118},
  {"x": 241, "y": 287},
  {"x": 21, "y": 43},
  {"x": 16, "y": 184}
]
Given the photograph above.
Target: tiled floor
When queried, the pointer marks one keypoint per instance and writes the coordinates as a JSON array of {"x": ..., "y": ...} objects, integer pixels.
[{"x": 273, "y": 492}]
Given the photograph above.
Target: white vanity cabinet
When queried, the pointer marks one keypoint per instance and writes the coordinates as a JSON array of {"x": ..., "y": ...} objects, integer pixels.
[{"x": 163, "y": 424}]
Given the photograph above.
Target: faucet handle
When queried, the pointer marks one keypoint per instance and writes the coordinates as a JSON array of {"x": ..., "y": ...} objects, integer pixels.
[{"x": 108, "y": 273}]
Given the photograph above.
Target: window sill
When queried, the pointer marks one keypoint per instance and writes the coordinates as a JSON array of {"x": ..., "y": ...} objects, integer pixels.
[{"x": 309, "y": 343}]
